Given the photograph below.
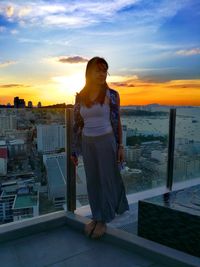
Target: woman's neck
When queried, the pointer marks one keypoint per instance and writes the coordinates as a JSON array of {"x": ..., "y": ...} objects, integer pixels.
[{"x": 94, "y": 93}]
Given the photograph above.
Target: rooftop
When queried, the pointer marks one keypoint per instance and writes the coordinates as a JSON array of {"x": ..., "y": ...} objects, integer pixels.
[
  {"x": 56, "y": 171},
  {"x": 25, "y": 201},
  {"x": 57, "y": 240},
  {"x": 2, "y": 143},
  {"x": 10, "y": 188},
  {"x": 16, "y": 142}
]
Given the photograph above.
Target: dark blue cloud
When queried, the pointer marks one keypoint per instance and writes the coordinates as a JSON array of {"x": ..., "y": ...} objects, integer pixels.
[
  {"x": 129, "y": 8},
  {"x": 138, "y": 7},
  {"x": 5, "y": 23}
]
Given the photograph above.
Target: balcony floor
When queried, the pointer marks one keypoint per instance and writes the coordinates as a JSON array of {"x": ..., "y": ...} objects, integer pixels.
[
  {"x": 57, "y": 239},
  {"x": 66, "y": 247}
]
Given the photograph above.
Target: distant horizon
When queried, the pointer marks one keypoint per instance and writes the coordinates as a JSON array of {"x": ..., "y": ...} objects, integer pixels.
[{"x": 131, "y": 105}]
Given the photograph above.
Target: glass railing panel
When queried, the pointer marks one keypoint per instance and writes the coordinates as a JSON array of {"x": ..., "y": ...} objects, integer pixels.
[
  {"x": 187, "y": 144},
  {"x": 145, "y": 133},
  {"x": 145, "y": 138},
  {"x": 32, "y": 162}
]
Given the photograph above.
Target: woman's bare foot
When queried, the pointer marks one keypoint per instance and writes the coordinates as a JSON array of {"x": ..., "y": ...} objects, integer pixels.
[
  {"x": 99, "y": 230},
  {"x": 90, "y": 227}
]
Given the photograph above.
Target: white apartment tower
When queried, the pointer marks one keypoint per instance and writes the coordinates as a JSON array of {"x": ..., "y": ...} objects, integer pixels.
[
  {"x": 50, "y": 138},
  {"x": 8, "y": 122}
]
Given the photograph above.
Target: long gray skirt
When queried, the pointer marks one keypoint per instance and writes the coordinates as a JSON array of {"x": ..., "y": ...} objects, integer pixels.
[{"x": 105, "y": 187}]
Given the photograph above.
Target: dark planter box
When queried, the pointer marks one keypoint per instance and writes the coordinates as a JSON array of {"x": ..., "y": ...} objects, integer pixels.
[{"x": 172, "y": 219}]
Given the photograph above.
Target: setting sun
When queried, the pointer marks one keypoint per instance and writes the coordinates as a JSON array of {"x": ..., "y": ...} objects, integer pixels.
[{"x": 69, "y": 85}]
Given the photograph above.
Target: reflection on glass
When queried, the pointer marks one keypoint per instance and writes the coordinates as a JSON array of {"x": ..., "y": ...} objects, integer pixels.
[
  {"x": 32, "y": 162},
  {"x": 187, "y": 200},
  {"x": 187, "y": 144}
]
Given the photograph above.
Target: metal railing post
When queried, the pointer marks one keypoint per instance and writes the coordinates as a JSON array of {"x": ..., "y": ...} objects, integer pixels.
[
  {"x": 171, "y": 144},
  {"x": 70, "y": 168}
]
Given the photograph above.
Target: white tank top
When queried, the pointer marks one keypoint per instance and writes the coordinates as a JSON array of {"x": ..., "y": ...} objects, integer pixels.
[{"x": 96, "y": 119}]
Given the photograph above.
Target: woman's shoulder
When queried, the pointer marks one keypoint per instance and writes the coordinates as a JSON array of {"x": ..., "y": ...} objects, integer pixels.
[{"x": 113, "y": 93}]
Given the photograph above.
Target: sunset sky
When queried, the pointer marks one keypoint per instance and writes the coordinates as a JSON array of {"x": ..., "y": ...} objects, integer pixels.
[{"x": 152, "y": 48}]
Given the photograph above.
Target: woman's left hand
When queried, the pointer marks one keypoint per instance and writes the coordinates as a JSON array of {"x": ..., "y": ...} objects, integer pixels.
[{"x": 120, "y": 155}]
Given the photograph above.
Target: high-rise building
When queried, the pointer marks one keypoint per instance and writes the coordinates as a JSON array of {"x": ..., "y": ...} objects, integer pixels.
[
  {"x": 17, "y": 147},
  {"x": 19, "y": 103},
  {"x": 8, "y": 122},
  {"x": 39, "y": 105},
  {"x": 50, "y": 138},
  {"x": 56, "y": 172},
  {"x": 3, "y": 160},
  {"x": 30, "y": 104},
  {"x": 56, "y": 176}
]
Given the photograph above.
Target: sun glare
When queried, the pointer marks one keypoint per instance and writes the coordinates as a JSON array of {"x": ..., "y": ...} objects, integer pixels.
[{"x": 69, "y": 85}]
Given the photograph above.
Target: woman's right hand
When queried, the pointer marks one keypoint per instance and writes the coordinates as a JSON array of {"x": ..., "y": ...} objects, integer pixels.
[{"x": 74, "y": 160}]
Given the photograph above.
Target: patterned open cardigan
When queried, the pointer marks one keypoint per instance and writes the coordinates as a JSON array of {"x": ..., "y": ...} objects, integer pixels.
[{"x": 79, "y": 123}]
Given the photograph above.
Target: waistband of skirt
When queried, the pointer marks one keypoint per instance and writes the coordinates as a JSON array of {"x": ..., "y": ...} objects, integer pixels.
[{"x": 97, "y": 137}]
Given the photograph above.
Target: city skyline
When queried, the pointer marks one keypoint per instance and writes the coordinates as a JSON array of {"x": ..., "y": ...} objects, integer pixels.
[{"x": 152, "y": 48}]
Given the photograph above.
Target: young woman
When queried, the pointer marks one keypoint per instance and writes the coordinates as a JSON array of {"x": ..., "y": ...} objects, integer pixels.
[{"x": 97, "y": 135}]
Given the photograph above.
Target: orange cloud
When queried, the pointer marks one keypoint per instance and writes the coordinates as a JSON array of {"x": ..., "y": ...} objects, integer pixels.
[
  {"x": 13, "y": 85},
  {"x": 177, "y": 92},
  {"x": 132, "y": 90}
]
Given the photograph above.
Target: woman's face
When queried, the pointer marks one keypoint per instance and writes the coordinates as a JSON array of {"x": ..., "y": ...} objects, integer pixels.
[{"x": 99, "y": 74}]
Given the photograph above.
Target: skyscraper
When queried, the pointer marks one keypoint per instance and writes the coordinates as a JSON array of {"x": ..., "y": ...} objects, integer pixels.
[
  {"x": 30, "y": 104},
  {"x": 19, "y": 103},
  {"x": 39, "y": 105}
]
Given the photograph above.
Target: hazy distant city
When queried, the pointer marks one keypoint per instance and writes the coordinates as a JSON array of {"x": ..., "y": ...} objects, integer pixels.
[{"x": 33, "y": 158}]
